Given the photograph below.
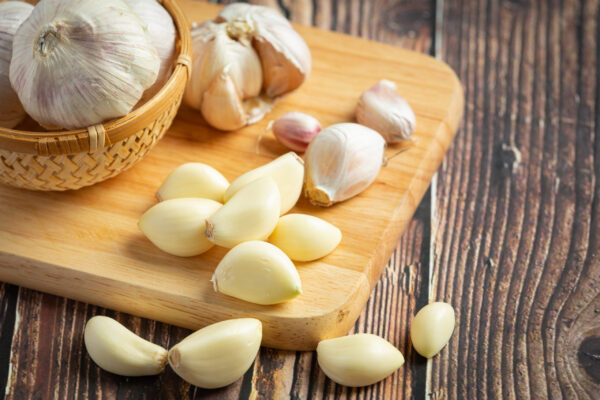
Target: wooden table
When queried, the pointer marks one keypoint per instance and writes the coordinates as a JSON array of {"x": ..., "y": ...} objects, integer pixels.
[{"x": 509, "y": 232}]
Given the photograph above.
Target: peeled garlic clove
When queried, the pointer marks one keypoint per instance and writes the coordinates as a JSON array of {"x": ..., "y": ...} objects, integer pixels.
[
  {"x": 288, "y": 173},
  {"x": 295, "y": 130},
  {"x": 251, "y": 214},
  {"x": 118, "y": 350},
  {"x": 358, "y": 360},
  {"x": 70, "y": 71},
  {"x": 177, "y": 226},
  {"x": 432, "y": 328},
  {"x": 384, "y": 110},
  {"x": 257, "y": 272},
  {"x": 219, "y": 354},
  {"x": 340, "y": 162},
  {"x": 12, "y": 15},
  {"x": 221, "y": 104},
  {"x": 193, "y": 180},
  {"x": 304, "y": 237}
]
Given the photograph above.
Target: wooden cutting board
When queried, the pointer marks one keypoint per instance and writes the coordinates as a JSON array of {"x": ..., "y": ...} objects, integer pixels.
[{"x": 85, "y": 244}]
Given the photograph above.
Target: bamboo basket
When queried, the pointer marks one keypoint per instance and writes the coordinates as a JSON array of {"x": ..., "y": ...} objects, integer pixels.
[{"x": 63, "y": 160}]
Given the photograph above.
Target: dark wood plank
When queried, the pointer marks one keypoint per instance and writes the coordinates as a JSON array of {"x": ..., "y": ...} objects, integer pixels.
[
  {"x": 517, "y": 199},
  {"x": 47, "y": 357}
]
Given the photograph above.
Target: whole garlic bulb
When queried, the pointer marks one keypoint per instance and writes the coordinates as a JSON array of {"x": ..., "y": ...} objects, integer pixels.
[
  {"x": 161, "y": 30},
  {"x": 78, "y": 63},
  {"x": 243, "y": 60},
  {"x": 12, "y": 15},
  {"x": 340, "y": 162}
]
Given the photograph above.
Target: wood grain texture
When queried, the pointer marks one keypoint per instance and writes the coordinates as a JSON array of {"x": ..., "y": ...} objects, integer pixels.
[
  {"x": 402, "y": 289},
  {"x": 517, "y": 225}
]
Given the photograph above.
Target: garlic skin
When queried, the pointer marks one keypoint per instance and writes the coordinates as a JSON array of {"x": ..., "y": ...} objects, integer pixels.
[
  {"x": 12, "y": 15},
  {"x": 288, "y": 173},
  {"x": 162, "y": 34},
  {"x": 118, "y": 350},
  {"x": 77, "y": 63},
  {"x": 340, "y": 162},
  {"x": 219, "y": 354},
  {"x": 432, "y": 328},
  {"x": 295, "y": 130},
  {"x": 257, "y": 272},
  {"x": 251, "y": 214},
  {"x": 193, "y": 180},
  {"x": 384, "y": 110},
  {"x": 305, "y": 237},
  {"x": 177, "y": 226},
  {"x": 358, "y": 360}
]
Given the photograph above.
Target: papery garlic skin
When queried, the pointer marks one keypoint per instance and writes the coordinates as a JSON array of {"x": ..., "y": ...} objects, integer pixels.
[
  {"x": 193, "y": 180},
  {"x": 118, "y": 350},
  {"x": 177, "y": 226},
  {"x": 288, "y": 173},
  {"x": 340, "y": 162},
  {"x": 12, "y": 15},
  {"x": 162, "y": 34},
  {"x": 257, "y": 272},
  {"x": 295, "y": 130},
  {"x": 358, "y": 360},
  {"x": 251, "y": 214},
  {"x": 219, "y": 354},
  {"x": 305, "y": 237},
  {"x": 384, "y": 110},
  {"x": 77, "y": 63},
  {"x": 432, "y": 328}
]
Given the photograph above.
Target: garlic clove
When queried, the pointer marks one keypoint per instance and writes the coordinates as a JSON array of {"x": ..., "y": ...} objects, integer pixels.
[
  {"x": 251, "y": 214},
  {"x": 177, "y": 226},
  {"x": 358, "y": 360},
  {"x": 288, "y": 173},
  {"x": 118, "y": 350},
  {"x": 257, "y": 272},
  {"x": 221, "y": 105},
  {"x": 193, "y": 180},
  {"x": 70, "y": 71},
  {"x": 432, "y": 328},
  {"x": 219, "y": 354},
  {"x": 384, "y": 110},
  {"x": 304, "y": 237},
  {"x": 340, "y": 162},
  {"x": 12, "y": 15},
  {"x": 295, "y": 130}
]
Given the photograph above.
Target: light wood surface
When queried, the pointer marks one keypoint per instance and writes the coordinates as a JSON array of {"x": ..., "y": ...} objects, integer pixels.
[{"x": 85, "y": 244}]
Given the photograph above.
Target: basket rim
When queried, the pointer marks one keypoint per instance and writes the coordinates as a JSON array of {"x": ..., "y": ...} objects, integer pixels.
[{"x": 79, "y": 140}]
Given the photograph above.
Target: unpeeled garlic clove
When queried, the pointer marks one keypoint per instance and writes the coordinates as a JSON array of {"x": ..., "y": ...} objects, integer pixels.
[
  {"x": 118, "y": 350},
  {"x": 432, "y": 328},
  {"x": 340, "y": 162},
  {"x": 288, "y": 173},
  {"x": 221, "y": 104},
  {"x": 304, "y": 237},
  {"x": 177, "y": 226},
  {"x": 251, "y": 214},
  {"x": 384, "y": 110},
  {"x": 219, "y": 354},
  {"x": 193, "y": 180},
  {"x": 295, "y": 130},
  {"x": 358, "y": 360},
  {"x": 257, "y": 272}
]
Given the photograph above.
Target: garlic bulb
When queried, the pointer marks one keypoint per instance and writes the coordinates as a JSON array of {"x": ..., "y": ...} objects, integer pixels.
[
  {"x": 78, "y": 63},
  {"x": 12, "y": 15},
  {"x": 162, "y": 33},
  {"x": 219, "y": 354},
  {"x": 340, "y": 162},
  {"x": 242, "y": 60},
  {"x": 385, "y": 111},
  {"x": 295, "y": 130}
]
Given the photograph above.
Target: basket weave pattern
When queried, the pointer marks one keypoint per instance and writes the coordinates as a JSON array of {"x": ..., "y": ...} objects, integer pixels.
[{"x": 74, "y": 171}]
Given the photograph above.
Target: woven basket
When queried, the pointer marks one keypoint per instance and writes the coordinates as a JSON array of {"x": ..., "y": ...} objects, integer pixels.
[{"x": 72, "y": 159}]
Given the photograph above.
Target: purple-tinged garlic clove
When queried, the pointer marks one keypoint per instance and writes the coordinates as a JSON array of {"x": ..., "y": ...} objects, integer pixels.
[{"x": 295, "y": 130}]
